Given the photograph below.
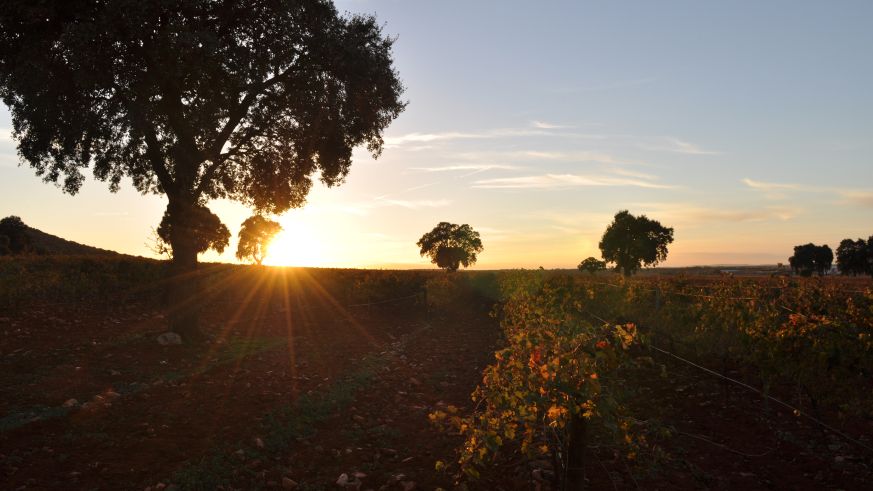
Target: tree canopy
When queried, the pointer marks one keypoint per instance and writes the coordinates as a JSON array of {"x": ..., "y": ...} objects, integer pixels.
[
  {"x": 255, "y": 236},
  {"x": 450, "y": 245},
  {"x": 630, "y": 242},
  {"x": 810, "y": 258},
  {"x": 13, "y": 236},
  {"x": 204, "y": 226},
  {"x": 852, "y": 257},
  {"x": 592, "y": 265},
  {"x": 199, "y": 100}
]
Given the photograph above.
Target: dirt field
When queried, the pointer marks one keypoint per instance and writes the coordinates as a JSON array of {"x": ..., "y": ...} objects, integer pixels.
[{"x": 305, "y": 392}]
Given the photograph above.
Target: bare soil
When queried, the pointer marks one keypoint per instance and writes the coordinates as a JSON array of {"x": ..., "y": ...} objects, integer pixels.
[{"x": 309, "y": 391}]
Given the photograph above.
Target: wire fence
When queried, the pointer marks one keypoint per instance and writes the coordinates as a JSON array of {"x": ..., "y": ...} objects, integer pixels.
[{"x": 751, "y": 388}]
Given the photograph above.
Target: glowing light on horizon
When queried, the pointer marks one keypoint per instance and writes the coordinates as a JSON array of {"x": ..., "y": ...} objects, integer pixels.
[{"x": 297, "y": 244}]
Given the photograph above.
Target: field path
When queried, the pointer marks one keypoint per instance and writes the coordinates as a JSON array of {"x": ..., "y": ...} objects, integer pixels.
[
  {"x": 145, "y": 412},
  {"x": 382, "y": 434}
]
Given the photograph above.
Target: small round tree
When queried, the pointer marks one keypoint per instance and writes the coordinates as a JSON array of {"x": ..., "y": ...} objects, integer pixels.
[
  {"x": 631, "y": 242},
  {"x": 592, "y": 265},
  {"x": 255, "y": 236},
  {"x": 15, "y": 231},
  {"x": 203, "y": 226},
  {"x": 197, "y": 101},
  {"x": 450, "y": 245}
]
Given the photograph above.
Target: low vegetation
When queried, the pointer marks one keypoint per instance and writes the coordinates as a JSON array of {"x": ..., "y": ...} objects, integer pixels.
[{"x": 310, "y": 357}]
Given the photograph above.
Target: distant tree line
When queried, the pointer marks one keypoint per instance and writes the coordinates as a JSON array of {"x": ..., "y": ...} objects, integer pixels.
[{"x": 854, "y": 257}]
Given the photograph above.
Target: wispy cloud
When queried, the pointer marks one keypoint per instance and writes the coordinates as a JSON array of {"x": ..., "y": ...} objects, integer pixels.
[
  {"x": 771, "y": 186},
  {"x": 546, "y": 181},
  {"x": 548, "y": 126},
  {"x": 414, "y": 204},
  {"x": 778, "y": 191},
  {"x": 675, "y": 145},
  {"x": 686, "y": 214},
  {"x": 396, "y": 141},
  {"x": 466, "y": 167},
  {"x": 420, "y": 186},
  {"x": 632, "y": 173},
  {"x": 861, "y": 198},
  {"x": 721, "y": 215},
  {"x": 539, "y": 129},
  {"x": 537, "y": 155},
  {"x": 393, "y": 141}
]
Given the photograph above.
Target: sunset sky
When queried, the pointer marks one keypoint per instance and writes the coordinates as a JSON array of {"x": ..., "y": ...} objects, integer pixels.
[{"x": 746, "y": 126}]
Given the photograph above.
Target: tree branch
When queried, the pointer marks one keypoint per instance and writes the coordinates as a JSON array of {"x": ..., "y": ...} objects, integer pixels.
[
  {"x": 239, "y": 112},
  {"x": 153, "y": 146},
  {"x": 217, "y": 162}
]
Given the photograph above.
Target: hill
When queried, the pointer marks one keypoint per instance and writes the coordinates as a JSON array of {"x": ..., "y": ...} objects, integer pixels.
[
  {"x": 45, "y": 243},
  {"x": 19, "y": 238}
]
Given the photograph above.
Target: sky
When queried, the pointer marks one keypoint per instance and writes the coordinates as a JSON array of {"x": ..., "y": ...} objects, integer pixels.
[{"x": 746, "y": 126}]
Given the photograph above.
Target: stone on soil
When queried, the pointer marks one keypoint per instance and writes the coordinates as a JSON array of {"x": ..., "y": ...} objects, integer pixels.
[{"x": 169, "y": 338}]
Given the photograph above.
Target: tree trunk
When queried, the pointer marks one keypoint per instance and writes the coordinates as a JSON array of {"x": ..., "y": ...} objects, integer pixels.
[{"x": 183, "y": 287}]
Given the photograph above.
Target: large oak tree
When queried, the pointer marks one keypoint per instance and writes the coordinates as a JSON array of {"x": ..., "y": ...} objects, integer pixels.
[
  {"x": 196, "y": 100},
  {"x": 810, "y": 258},
  {"x": 450, "y": 245},
  {"x": 633, "y": 241}
]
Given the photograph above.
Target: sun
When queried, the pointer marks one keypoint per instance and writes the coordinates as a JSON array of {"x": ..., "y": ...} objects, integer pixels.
[{"x": 295, "y": 245}]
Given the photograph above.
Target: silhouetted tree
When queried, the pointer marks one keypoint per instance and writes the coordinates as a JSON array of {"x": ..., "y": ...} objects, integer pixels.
[
  {"x": 449, "y": 245},
  {"x": 592, "y": 265},
  {"x": 803, "y": 260},
  {"x": 824, "y": 259},
  {"x": 852, "y": 257},
  {"x": 631, "y": 242},
  {"x": 810, "y": 258},
  {"x": 4, "y": 246},
  {"x": 15, "y": 231},
  {"x": 203, "y": 226},
  {"x": 199, "y": 100},
  {"x": 254, "y": 238}
]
